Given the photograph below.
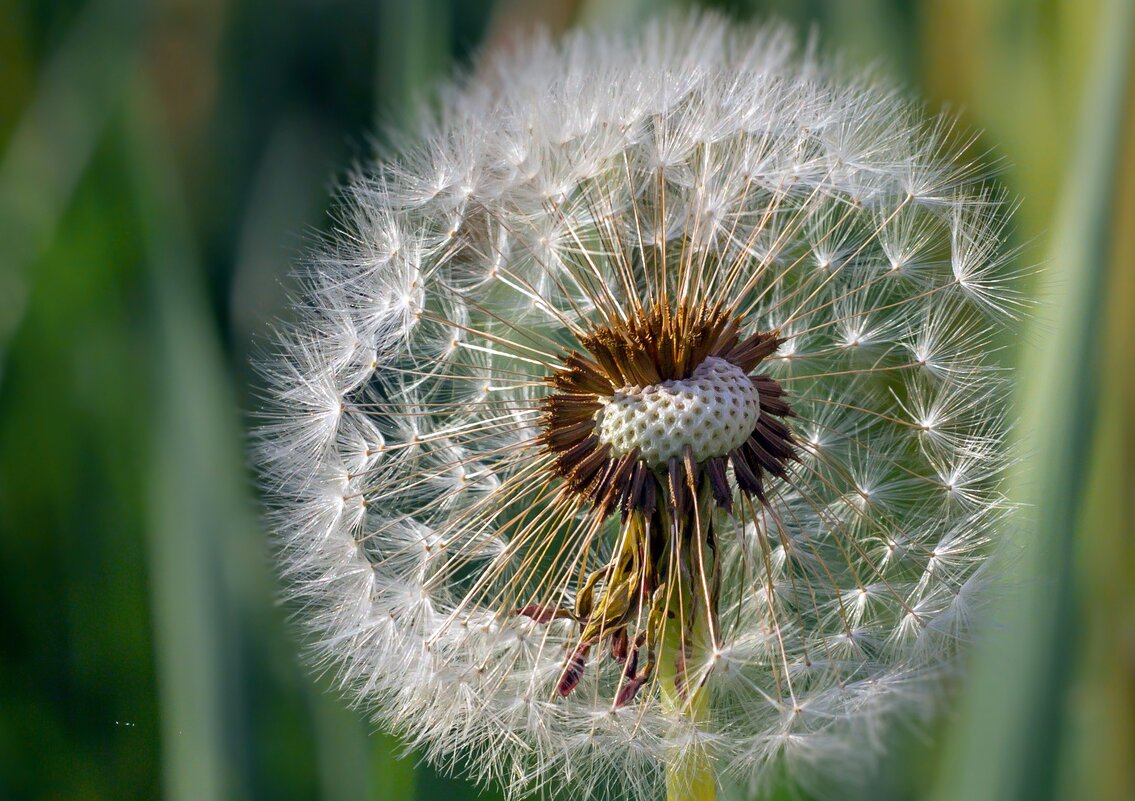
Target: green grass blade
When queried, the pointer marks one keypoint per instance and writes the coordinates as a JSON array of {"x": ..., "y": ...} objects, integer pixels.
[
  {"x": 1010, "y": 742},
  {"x": 413, "y": 51},
  {"x": 195, "y": 498},
  {"x": 54, "y": 141},
  {"x": 210, "y": 593}
]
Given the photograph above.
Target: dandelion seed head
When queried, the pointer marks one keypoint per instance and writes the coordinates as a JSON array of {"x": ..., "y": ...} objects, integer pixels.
[{"x": 643, "y": 410}]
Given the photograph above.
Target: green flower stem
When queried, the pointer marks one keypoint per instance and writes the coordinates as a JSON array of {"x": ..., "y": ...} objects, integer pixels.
[{"x": 690, "y": 772}]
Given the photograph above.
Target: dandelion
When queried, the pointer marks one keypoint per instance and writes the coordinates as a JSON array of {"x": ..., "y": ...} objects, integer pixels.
[{"x": 639, "y": 428}]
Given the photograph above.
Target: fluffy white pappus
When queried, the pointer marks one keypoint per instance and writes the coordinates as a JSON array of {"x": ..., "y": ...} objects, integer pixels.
[{"x": 554, "y": 190}]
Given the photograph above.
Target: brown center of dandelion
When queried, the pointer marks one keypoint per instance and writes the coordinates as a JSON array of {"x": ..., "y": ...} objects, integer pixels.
[
  {"x": 663, "y": 394},
  {"x": 660, "y": 417}
]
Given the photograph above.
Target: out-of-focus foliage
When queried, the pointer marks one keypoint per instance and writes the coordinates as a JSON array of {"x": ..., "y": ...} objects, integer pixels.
[{"x": 161, "y": 164}]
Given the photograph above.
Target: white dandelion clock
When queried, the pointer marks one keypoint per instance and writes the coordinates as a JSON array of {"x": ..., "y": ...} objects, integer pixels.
[{"x": 639, "y": 429}]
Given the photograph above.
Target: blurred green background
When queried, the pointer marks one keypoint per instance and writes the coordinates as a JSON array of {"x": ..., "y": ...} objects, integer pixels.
[{"x": 162, "y": 163}]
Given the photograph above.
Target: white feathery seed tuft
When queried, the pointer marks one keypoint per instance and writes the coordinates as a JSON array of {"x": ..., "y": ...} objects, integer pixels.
[{"x": 435, "y": 529}]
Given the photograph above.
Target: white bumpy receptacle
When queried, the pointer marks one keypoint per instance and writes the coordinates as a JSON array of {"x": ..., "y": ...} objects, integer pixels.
[{"x": 713, "y": 411}]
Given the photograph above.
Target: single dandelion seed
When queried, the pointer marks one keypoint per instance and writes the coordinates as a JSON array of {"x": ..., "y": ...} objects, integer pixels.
[{"x": 639, "y": 428}]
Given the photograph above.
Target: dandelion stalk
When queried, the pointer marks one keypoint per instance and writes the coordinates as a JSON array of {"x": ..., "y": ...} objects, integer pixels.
[
  {"x": 689, "y": 770},
  {"x": 640, "y": 427},
  {"x": 689, "y": 773}
]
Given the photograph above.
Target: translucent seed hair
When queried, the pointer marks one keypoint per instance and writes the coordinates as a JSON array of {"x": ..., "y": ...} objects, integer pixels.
[{"x": 639, "y": 427}]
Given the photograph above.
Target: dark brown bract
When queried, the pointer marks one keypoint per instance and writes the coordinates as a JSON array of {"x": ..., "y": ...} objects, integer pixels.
[{"x": 655, "y": 345}]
